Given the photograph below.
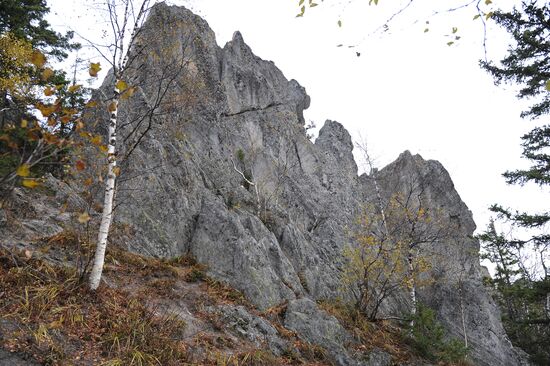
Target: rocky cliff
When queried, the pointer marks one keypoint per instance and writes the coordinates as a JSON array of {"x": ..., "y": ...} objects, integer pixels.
[{"x": 227, "y": 174}]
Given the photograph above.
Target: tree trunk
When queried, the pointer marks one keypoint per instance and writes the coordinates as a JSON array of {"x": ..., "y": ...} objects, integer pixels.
[
  {"x": 412, "y": 286},
  {"x": 463, "y": 315},
  {"x": 107, "y": 214}
]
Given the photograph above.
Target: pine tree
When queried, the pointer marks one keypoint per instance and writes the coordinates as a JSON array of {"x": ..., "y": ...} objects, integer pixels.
[
  {"x": 29, "y": 83},
  {"x": 25, "y": 20},
  {"x": 524, "y": 293}
]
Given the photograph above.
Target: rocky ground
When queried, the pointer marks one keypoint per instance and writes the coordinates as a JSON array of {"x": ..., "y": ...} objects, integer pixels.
[
  {"x": 226, "y": 175},
  {"x": 149, "y": 308}
]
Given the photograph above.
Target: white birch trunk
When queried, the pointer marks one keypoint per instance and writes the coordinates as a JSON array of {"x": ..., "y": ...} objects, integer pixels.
[
  {"x": 463, "y": 316},
  {"x": 373, "y": 172},
  {"x": 412, "y": 289},
  {"x": 119, "y": 63},
  {"x": 107, "y": 214}
]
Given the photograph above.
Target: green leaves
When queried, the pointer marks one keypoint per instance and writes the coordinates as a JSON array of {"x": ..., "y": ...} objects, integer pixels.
[
  {"x": 427, "y": 336},
  {"x": 311, "y": 4},
  {"x": 517, "y": 249}
]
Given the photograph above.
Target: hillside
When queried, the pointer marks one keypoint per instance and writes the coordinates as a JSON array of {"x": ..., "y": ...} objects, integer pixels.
[{"x": 231, "y": 228}]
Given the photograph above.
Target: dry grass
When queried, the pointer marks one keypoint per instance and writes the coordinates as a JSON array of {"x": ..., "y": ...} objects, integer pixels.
[
  {"x": 48, "y": 313},
  {"x": 58, "y": 320},
  {"x": 251, "y": 358},
  {"x": 382, "y": 335},
  {"x": 223, "y": 293}
]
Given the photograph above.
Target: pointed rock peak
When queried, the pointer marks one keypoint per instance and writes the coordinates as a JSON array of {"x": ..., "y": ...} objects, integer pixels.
[
  {"x": 237, "y": 46},
  {"x": 252, "y": 83},
  {"x": 163, "y": 9},
  {"x": 161, "y": 6},
  {"x": 334, "y": 133},
  {"x": 406, "y": 158},
  {"x": 405, "y": 155},
  {"x": 175, "y": 17},
  {"x": 335, "y": 143},
  {"x": 237, "y": 37}
]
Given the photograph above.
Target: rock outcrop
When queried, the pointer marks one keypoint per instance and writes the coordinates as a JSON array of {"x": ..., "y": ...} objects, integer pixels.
[{"x": 226, "y": 173}]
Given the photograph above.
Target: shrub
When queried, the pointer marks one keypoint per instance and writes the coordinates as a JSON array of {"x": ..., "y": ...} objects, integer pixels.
[
  {"x": 428, "y": 338},
  {"x": 240, "y": 155},
  {"x": 195, "y": 275}
]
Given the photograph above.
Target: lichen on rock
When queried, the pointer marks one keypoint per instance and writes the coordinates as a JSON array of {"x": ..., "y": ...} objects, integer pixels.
[{"x": 186, "y": 189}]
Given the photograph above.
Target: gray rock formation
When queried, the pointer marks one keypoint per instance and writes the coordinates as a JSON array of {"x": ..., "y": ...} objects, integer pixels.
[
  {"x": 252, "y": 327},
  {"x": 458, "y": 289},
  {"x": 316, "y": 327},
  {"x": 227, "y": 174}
]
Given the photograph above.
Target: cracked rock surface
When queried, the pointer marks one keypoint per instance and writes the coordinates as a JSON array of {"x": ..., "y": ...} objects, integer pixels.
[{"x": 227, "y": 174}]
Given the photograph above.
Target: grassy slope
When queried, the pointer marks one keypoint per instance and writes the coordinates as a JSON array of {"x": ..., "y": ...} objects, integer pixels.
[
  {"x": 147, "y": 311},
  {"x": 48, "y": 313}
]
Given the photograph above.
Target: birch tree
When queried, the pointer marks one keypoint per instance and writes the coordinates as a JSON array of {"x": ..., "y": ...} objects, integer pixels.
[
  {"x": 125, "y": 20},
  {"x": 391, "y": 251},
  {"x": 419, "y": 227},
  {"x": 131, "y": 41}
]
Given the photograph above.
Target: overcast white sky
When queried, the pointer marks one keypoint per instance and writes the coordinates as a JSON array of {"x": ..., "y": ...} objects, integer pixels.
[{"x": 407, "y": 91}]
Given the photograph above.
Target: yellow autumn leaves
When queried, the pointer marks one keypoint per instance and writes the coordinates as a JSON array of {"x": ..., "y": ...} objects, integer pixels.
[
  {"x": 24, "y": 172},
  {"x": 94, "y": 69},
  {"x": 125, "y": 90},
  {"x": 15, "y": 56},
  {"x": 84, "y": 218},
  {"x": 384, "y": 257}
]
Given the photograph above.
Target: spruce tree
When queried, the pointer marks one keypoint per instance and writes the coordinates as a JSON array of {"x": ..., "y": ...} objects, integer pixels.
[
  {"x": 30, "y": 82},
  {"x": 525, "y": 293},
  {"x": 25, "y": 19}
]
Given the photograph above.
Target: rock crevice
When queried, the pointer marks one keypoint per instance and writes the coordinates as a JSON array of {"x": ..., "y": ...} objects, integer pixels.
[{"x": 282, "y": 238}]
